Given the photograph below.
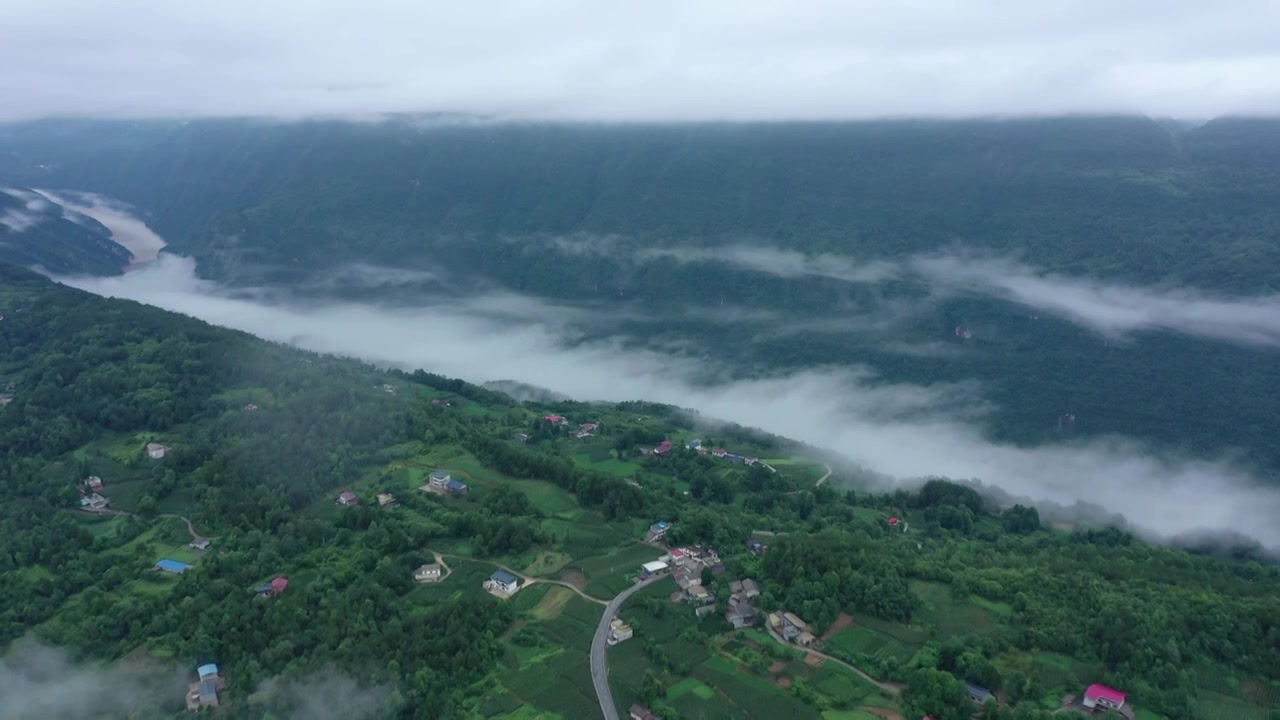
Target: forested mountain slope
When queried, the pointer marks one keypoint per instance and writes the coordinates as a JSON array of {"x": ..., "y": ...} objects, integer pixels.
[
  {"x": 261, "y": 439},
  {"x": 1120, "y": 197},
  {"x": 37, "y": 231}
]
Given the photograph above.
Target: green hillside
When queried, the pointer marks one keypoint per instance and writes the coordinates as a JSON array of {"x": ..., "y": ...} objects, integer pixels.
[{"x": 34, "y": 231}]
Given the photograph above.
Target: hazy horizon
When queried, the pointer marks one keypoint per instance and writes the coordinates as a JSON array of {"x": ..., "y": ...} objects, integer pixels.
[{"x": 572, "y": 59}]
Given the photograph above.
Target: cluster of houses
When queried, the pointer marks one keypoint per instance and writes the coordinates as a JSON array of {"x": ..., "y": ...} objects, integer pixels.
[
  {"x": 665, "y": 447},
  {"x": 687, "y": 565},
  {"x": 502, "y": 584},
  {"x": 91, "y": 497},
  {"x": 584, "y": 429},
  {"x": 741, "y": 612},
  {"x": 791, "y": 628},
  {"x": 203, "y": 692},
  {"x": 619, "y": 631},
  {"x": 442, "y": 483}
]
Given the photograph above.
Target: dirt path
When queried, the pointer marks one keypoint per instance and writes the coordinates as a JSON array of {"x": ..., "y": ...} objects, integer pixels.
[
  {"x": 892, "y": 688},
  {"x": 527, "y": 579},
  {"x": 843, "y": 620}
]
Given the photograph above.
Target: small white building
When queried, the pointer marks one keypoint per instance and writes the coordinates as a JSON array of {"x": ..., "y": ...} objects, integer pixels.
[
  {"x": 156, "y": 451},
  {"x": 502, "y": 582},
  {"x": 657, "y": 567},
  {"x": 428, "y": 573}
]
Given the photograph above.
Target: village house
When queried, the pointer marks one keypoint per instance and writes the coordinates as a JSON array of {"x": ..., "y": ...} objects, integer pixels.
[
  {"x": 204, "y": 692},
  {"x": 1101, "y": 697},
  {"x": 389, "y": 389},
  {"x": 978, "y": 694},
  {"x": 694, "y": 444},
  {"x": 554, "y": 419},
  {"x": 740, "y": 614},
  {"x": 701, "y": 595},
  {"x": 93, "y": 483},
  {"x": 439, "y": 480},
  {"x": 387, "y": 500},
  {"x": 522, "y": 437},
  {"x": 663, "y": 448},
  {"x": 6, "y": 398},
  {"x": 250, "y": 407},
  {"x": 502, "y": 583},
  {"x": 735, "y": 587},
  {"x": 719, "y": 452},
  {"x": 347, "y": 499},
  {"x": 657, "y": 531},
  {"x": 750, "y": 461},
  {"x": 201, "y": 544},
  {"x": 273, "y": 588},
  {"x": 456, "y": 488},
  {"x": 750, "y": 588},
  {"x": 792, "y": 626},
  {"x": 756, "y": 547},
  {"x": 172, "y": 566},
  {"x": 805, "y": 639},
  {"x": 582, "y": 434},
  {"x": 428, "y": 573},
  {"x": 94, "y": 501},
  {"x": 650, "y": 569},
  {"x": 640, "y": 712},
  {"x": 156, "y": 451},
  {"x": 619, "y": 631},
  {"x": 588, "y": 427}
]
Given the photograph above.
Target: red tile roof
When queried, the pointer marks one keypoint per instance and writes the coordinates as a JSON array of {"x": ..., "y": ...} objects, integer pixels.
[
  {"x": 1102, "y": 692},
  {"x": 279, "y": 584}
]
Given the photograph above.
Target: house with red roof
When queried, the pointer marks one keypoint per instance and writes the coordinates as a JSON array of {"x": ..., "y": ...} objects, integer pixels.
[
  {"x": 553, "y": 419},
  {"x": 347, "y": 499},
  {"x": 588, "y": 427},
  {"x": 1103, "y": 697},
  {"x": 893, "y": 522},
  {"x": 719, "y": 452},
  {"x": 663, "y": 448}
]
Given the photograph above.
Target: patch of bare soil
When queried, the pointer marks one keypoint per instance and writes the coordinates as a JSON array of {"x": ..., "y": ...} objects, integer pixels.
[
  {"x": 784, "y": 682},
  {"x": 574, "y": 578},
  {"x": 813, "y": 660},
  {"x": 885, "y": 713},
  {"x": 751, "y": 643},
  {"x": 777, "y": 666},
  {"x": 843, "y": 620}
]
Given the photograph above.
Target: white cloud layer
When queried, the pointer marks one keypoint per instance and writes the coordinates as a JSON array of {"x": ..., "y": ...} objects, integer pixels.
[
  {"x": 1109, "y": 309},
  {"x": 660, "y": 60},
  {"x": 903, "y": 431}
]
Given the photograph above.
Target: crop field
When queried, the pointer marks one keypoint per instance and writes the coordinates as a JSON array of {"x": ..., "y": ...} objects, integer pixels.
[
  {"x": 853, "y": 642},
  {"x": 1060, "y": 671},
  {"x": 611, "y": 574},
  {"x": 842, "y": 686},
  {"x": 1216, "y": 706},
  {"x": 951, "y": 617},
  {"x": 551, "y": 603},
  {"x": 560, "y": 684},
  {"x": 750, "y": 696}
]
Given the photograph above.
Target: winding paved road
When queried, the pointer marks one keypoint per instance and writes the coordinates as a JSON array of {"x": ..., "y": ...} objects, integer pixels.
[{"x": 599, "y": 668}]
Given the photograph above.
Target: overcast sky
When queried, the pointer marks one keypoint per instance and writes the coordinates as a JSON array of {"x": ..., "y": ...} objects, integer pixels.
[{"x": 657, "y": 59}]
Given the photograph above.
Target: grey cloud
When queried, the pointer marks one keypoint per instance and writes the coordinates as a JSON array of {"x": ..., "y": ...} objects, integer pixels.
[
  {"x": 662, "y": 60},
  {"x": 325, "y": 695},
  {"x": 38, "y": 682},
  {"x": 126, "y": 229},
  {"x": 782, "y": 263},
  {"x": 17, "y": 220},
  {"x": 1109, "y": 309}
]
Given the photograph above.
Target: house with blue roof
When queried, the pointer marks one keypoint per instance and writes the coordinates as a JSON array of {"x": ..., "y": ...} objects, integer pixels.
[
  {"x": 172, "y": 566},
  {"x": 657, "y": 531},
  {"x": 455, "y": 487},
  {"x": 207, "y": 671},
  {"x": 502, "y": 582},
  {"x": 204, "y": 692}
]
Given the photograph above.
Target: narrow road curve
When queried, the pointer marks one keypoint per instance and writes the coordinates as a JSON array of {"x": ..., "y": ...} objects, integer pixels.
[
  {"x": 891, "y": 688},
  {"x": 824, "y": 477},
  {"x": 599, "y": 643},
  {"x": 528, "y": 580}
]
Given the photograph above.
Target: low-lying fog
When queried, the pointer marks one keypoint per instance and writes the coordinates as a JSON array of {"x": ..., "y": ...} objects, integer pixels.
[{"x": 904, "y": 431}]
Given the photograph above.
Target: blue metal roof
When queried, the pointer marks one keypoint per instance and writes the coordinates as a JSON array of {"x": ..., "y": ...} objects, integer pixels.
[
  {"x": 503, "y": 577},
  {"x": 660, "y": 526},
  {"x": 208, "y": 690},
  {"x": 456, "y": 485},
  {"x": 207, "y": 670},
  {"x": 173, "y": 566}
]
